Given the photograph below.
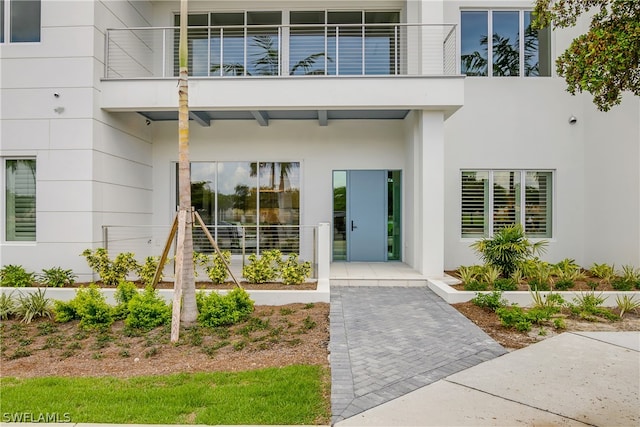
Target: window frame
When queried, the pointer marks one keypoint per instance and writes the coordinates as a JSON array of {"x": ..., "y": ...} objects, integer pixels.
[
  {"x": 521, "y": 43},
  {"x": 489, "y": 200},
  {"x": 6, "y": 18},
  {"x": 4, "y": 217}
]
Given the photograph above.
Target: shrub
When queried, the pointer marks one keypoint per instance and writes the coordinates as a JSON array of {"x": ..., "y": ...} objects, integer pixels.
[
  {"x": 469, "y": 273},
  {"x": 503, "y": 284},
  {"x": 605, "y": 272},
  {"x": 491, "y": 301},
  {"x": 491, "y": 274},
  {"x": 218, "y": 272},
  {"x": 507, "y": 248},
  {"x": 629, "y": 279},
  {"x": 263, "y": 269},
  {"x": 111, "y": 271},
  {"x": 15, "y": 276},
  {"x": 33, "y": 305},
  {"x": 217, "y": 310},
  {"x": 57, "y": 277},
  {"x": 475, "y": 285},
  {"x": 89, "y": 306},
  {"x": 147, "y": 271},
  {"x": 147, "y": 310},
  {"x": 588, "y": 306},
  {"x": 124, "y": 293},
  {"x": 622, "y": 284},
  {"x": 7, "y": 306},
  {"x": 627, "y": 304},
  {"x": 294, "y": 272},
  {"x": 564, "y": 284},
  {"x": 514, "y": 317}
]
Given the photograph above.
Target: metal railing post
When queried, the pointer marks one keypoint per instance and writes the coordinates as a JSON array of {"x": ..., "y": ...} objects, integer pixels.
[{"x": 105, "y": 237}]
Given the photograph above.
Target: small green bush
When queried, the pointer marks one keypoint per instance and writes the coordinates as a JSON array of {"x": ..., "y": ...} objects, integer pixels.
[
  {"x": 147, "y": 271},
  {"x": 514, "y": 317},
  {"x": 475, "y": 285},
  {"x": 57, "y": 277},
  {"x": 588, "y": 306},
  {"x": 537, "y": 285},
  {"x": 503, "y": 284},
  {"x": 111, "y": 271},
  {"x": 124, "y": 293},
  {"x": 217, "y": 310},
  {"x": 564, "y": 284},
  {"x": 15, "y": 276},
  {"x": 147, "y": 310},
  {"x": 605, "y": 272},
  {"x": 218, "y": 272},
  {"x": 263, "y": 269},
  {"x": 89, "y": 306},
  {"x": 622, "y": 284},
  {"x": 294, "y": 272},
  {"x": 491, "y": 301}
]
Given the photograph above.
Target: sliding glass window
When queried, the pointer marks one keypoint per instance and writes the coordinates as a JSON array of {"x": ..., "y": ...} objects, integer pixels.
[{"x": 250, "y": 205}]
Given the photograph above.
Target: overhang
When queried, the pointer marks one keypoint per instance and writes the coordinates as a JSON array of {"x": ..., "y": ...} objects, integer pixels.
[{"x": 293, "y": 98}]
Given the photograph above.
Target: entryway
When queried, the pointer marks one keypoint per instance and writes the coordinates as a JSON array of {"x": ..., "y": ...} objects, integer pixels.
[{"x": 366, "y": 215}]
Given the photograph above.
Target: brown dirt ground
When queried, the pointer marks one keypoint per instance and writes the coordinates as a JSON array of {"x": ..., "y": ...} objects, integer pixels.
[
  {"x": 295, "y": 334},
  {"x": 511, "y": 339}
]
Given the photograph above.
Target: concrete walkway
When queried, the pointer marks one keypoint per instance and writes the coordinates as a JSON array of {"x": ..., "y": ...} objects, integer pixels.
[
  {"x": 389, "y": 341},
  {"x": 573, "y": 379}
]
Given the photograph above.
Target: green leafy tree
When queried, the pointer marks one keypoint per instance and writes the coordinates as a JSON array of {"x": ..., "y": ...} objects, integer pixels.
[{"x": 606, "y": 60}]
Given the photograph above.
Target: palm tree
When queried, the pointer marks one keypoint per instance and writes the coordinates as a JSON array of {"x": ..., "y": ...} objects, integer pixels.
[{"x": 185, "y": 278}]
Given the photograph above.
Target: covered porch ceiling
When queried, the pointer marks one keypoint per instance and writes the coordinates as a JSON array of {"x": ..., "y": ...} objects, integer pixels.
[{"x": 263, "y": 117}]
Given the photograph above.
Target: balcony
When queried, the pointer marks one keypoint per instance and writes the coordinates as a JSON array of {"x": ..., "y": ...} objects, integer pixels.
[{"x": 259, "y": 72}]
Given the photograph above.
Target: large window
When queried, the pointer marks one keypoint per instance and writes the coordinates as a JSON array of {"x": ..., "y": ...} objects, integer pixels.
[
  {"x": 492, "y": 199},
  {"x": 20, "y": 200},
  {"x": 255, "y": 205},
  {"x": 514, "y": 48},
  {"x": 19, "y": 21}
]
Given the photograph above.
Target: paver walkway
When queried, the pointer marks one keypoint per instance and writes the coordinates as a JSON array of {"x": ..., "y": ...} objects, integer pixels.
[{"x": 389, "y": 341}]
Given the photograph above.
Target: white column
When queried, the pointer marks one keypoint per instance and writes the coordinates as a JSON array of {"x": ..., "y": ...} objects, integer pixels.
[
  {"x": 324, "y": 255},
  {"x": 429, "y": 192}
]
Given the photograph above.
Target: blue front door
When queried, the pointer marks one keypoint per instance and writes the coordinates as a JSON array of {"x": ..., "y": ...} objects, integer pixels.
[{"x": 366, "y": 215}]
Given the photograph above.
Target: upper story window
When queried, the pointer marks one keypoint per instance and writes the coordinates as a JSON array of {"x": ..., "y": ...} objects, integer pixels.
[
  {"x": 20, "y": 200},
  {"x": 20, "y": 21},
  {"x": 515, "y": 48},
  {"x": 493, "y": 199}
]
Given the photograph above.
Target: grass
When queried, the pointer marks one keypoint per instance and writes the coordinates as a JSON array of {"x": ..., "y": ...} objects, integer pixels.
[{"x": 289, "y": 395}]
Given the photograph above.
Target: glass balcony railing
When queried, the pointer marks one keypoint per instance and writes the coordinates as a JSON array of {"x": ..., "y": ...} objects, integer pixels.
[{"x": 297, "y": 50}]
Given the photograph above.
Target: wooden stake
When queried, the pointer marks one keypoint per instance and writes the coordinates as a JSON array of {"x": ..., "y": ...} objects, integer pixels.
[
  {"x": 165, "y": 252},
  {"x": 215, "y": 246},
  {"x": 177, "y": 286}
]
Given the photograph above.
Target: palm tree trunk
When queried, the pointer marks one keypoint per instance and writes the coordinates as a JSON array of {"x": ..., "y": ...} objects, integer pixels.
[{"x": 186, "y": 280}]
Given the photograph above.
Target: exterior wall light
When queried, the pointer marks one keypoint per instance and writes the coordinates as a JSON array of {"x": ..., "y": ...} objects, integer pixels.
[{"x": 573, "y": 120}]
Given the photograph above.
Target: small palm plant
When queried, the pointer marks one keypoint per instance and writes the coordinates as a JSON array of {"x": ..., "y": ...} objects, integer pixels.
[{"x": 508, "y": 248}]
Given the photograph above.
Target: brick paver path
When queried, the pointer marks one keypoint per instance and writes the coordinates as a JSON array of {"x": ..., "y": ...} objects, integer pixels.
[{"x": 389, "y": 341}]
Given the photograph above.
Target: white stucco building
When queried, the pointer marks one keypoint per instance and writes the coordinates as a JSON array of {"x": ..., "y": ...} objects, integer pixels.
[{"x": 381, "y": 118}]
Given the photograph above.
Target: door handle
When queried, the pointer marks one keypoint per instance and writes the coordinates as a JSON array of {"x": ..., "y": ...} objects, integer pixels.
[{"x": 353, "y": 227}]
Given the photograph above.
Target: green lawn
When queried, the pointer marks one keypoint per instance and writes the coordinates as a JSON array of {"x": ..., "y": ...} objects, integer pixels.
[{"x": 290, "y": 395}]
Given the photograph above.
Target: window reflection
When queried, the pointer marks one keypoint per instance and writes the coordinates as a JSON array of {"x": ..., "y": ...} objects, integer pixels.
[
  {"x": 515, "y": 49},
  {"x": 255, "y": 205}
]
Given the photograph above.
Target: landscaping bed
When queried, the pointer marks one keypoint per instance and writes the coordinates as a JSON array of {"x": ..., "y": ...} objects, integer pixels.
[{"x": 273, "y": 336}]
